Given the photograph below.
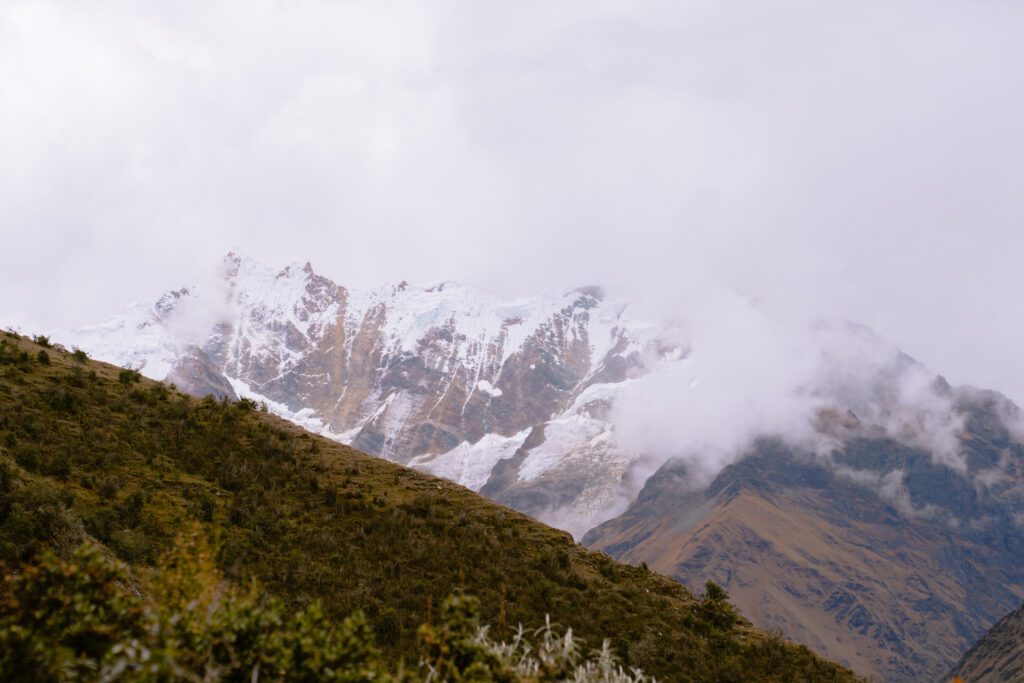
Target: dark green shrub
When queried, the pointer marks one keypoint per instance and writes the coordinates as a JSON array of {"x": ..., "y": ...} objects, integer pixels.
[
  {"x": 66, "y": 621},
  {"x": 128, "y": 376},
  {"x": 452, "y": 651},
  {"x": 246, "y": 404}
]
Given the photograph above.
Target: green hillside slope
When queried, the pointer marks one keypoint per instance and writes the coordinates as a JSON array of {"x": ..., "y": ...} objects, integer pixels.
[{"x": 91, "y": 450}]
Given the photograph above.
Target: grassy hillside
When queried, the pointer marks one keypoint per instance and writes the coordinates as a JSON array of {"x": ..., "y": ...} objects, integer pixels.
[{"x": 91, "y": 450}]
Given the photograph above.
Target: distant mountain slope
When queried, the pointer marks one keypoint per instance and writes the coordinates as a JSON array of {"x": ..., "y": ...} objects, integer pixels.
[
  {"x": 999, "y": 656},
  {"x": 873, "y": 554},
  {"x": 88, "y": 449}
]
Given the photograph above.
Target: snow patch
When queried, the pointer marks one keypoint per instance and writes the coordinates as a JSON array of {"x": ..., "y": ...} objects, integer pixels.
[
  {"x": 471, "y": 464},
  {"x": 571, "y": 433},
  {"x": 306, "y": 418},
  {"x": 486, "y": 387}
]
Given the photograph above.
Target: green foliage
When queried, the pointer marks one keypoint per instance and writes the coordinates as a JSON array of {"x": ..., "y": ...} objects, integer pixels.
[
  {"x": 246, "y": 404},
  {"x": 80, "y": 356},
  {"x": 460, "y": 649},
  {"x": 43, "y": 357},
  {"x": 59, "y": 621},
  {"x": 77, "y": 620},
  {"x": 35, "y": 515},
  {"x": 714, "y": 612},
  {"x": 128, "y": 376},
  {"x": 130, "y": 462},
  {"x": 15, "y": 357},
  {"x": 42, "y": 340},
  {"x": 452, "y": 651}
]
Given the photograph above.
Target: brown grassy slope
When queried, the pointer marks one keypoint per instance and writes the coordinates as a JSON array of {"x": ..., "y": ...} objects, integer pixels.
[
  {"x": 822, "y": 559},
  {"x": 312, "y": 519}
]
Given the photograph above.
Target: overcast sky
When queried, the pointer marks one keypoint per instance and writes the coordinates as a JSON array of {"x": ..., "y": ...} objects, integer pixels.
[{"x": 862, "y": 160}]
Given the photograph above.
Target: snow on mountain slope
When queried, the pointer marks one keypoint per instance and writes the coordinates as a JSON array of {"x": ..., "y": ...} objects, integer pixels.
[
  {"x": 441, "y": 376},
  {"x": 557, "y": 405}
]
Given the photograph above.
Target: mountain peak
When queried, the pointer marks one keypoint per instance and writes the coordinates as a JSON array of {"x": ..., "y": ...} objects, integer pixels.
[{"x": 596, "y": 292}]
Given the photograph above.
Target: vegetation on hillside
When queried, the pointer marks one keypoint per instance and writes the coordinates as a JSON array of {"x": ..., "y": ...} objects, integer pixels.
[
  {"x": 75, "y": 620},
  {"x": 90, "y": 452}
]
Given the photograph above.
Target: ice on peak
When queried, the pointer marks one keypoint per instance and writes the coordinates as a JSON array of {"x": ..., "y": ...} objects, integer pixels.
[
  {"x": 257, "y": 302},
  {"x": 485, "y": 387}
]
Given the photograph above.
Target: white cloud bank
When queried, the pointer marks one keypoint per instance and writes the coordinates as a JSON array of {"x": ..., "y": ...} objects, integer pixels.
[{"x": 859, "y": 161}]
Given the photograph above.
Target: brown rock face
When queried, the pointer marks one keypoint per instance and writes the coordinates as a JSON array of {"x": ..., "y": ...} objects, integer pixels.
[
  {"x": 999, "y": 656},
  {"x": 408, "y": 372},
  {"x": 402, "y": 370}
]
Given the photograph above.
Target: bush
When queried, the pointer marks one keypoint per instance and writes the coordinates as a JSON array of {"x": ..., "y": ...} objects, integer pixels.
[
  {"x": 128, "y": 376},
  {"x": 246, "y": 404},
  {"x": 65, "y": 621},
  {"x": 460, "y": 649},
  {"x": 75, "y": 620},
  {"x": 43, "y": 357},
  {"x": 42, "y": 340}
]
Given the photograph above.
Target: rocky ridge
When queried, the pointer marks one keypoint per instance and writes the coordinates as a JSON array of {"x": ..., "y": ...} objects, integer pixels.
[
  {"x": 998, "y": 657},
  {"x": 875, "y": 552},
  {"x": 441, "y": 377}
]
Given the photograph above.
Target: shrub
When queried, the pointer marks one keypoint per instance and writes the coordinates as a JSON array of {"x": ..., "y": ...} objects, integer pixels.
[
  {"x": 75, "y": 620},
  {"x": 128, "y": 376},
  {"x": 43, "y": 357},
  {"x": 63, "y": 621},
  {"x": 246, "y": 404},
  {"x": 42, "y": 340}
]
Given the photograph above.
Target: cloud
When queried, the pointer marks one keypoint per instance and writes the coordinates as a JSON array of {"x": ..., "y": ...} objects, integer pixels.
[
  {"x": 859, "y": 161},
  {"x": 752, "y": 372}
]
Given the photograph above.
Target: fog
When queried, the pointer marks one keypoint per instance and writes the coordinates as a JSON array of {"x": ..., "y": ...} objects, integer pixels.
[{"x": 801, "y": 160}]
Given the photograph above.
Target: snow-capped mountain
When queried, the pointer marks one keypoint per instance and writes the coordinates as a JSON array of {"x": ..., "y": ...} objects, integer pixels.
[
  {"x": 442, "y": 377},
  {"x": 651, "y": 435}
]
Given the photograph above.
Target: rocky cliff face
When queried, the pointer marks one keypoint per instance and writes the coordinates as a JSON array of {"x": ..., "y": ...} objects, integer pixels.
[
  {"x": 874, "y": 552},
  {"x": 441, "y": 377},
  {"x": 998, "y": 657}
]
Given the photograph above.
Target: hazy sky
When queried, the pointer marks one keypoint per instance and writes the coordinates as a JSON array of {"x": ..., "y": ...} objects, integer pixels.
[{"x": 861, "y": 160}]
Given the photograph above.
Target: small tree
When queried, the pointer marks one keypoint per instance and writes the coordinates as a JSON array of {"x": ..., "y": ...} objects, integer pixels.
[{"x": 128, "y": 376}]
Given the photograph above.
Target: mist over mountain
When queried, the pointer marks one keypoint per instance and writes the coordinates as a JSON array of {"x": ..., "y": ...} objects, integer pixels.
[
  {"x": 650, "y": 434},
  {"x": 559, "y": 405}
]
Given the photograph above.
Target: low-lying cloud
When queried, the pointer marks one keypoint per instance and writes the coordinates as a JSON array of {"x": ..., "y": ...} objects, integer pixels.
[{"x": 751, "y": 373}]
